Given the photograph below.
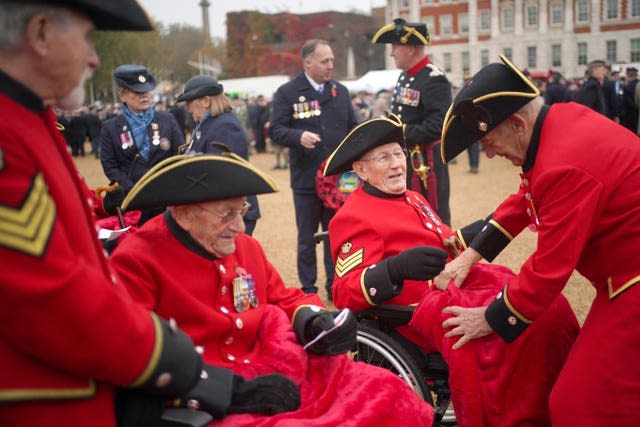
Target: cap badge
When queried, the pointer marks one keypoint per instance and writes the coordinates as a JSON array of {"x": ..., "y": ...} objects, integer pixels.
[{"x": 142, "y": 79}]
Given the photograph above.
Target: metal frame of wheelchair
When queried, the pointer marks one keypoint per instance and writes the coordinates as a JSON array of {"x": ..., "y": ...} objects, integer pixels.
[{"x": 378, "y": 344}]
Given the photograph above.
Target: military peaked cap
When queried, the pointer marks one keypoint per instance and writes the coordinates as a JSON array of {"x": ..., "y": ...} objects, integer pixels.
[
  {"x": 492, "y": 95},
  {"x": 364, "y": 137},
  {"x": 403, "y": 32},
  {"x": 200, "y": 86},
  {"x": 124, "y": 15},
  {"x": 185, "y": 179},
  {"x": 135, "y": 78}
]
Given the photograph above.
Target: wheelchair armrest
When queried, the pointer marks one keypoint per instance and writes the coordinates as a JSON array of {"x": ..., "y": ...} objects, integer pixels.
[
  {"x": 184, "y": 417},
  {"x": 321, "y": 236},
  {"x": 390, "y": 313}
]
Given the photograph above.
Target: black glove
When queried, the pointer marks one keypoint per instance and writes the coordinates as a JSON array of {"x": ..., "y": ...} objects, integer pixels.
[
  {"x": 270, "y": 394},
  {"x": 338, "y": 341},
  {"x": 112, "y": 200},
  {"x": 420, "y": 263}
]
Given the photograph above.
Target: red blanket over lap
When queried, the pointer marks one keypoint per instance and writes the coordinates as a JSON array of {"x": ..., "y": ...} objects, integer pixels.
[
  {"x": 335, "y": 390},
  {"x": 494, "y": 383}
]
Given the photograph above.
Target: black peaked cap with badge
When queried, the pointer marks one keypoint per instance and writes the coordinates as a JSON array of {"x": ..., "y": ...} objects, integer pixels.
[
  {"x": 124, "y": 15},
  {"x": 134, "y": 77},
  {"x": 492, "y": 95},
  {"x": 200, "y": 86},
  {"x": 403, "y": 32},
  {"x": 364, "y": 137},
  {"x": 185, "y": 179}
]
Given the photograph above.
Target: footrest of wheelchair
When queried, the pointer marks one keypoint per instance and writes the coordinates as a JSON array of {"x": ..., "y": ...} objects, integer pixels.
[{"x": 184, "y": 417}]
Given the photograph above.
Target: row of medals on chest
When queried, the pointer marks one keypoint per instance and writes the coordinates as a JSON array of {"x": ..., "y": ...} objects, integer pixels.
[
  {"x": 306, "y": 109},
  {"x": 127, "y": 140}
]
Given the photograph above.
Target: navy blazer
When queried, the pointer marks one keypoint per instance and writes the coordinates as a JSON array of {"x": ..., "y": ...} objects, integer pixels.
[
  {"x": 123, "y": 164},
  {"x": 224, "y": 128},
  {"x": 298, "y": 107}
]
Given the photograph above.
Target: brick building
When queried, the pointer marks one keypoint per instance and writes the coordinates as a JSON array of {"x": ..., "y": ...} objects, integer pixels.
[{"x": 539, "y": 35}]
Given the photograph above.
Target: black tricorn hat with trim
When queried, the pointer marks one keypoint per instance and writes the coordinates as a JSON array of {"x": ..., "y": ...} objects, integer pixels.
[
  {"x": 492, "y": 95},
  {"x": 365, "y": 136},
  {"x": 200, "y": 86},
  {"x": 403, "y": 32},
  {"x": 125, "y": 15},
  {"x": 185, "y": 179}
]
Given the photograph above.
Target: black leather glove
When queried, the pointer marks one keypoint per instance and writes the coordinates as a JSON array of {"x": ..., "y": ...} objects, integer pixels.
[
  {"x": 420, "y": 263},
  {"x": 112, "y": 200},
  {"x": 270, "y": 394},
  {"x": 338, "y": 341}
]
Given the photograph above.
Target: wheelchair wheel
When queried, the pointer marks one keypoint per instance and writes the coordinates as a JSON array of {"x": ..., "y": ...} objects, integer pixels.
[{"x": 377, "y": 348}]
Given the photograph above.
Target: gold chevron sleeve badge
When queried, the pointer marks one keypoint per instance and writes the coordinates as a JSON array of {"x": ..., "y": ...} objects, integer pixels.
[
  {"x": 28, "y": 227},
  {"x": 345, "y": 265}
]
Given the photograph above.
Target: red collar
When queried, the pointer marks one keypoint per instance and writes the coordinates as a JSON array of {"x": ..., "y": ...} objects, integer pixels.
[{"x": 419, "y": 66}]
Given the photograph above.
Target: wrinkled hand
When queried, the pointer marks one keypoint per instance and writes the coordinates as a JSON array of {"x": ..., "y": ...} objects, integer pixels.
[
  {"x": 468, "y": 322},
  {"x": 309, "y": 139},
  {"x": 270, "y": 394},
  {"x": 338, "y": 341},
  {"x": 457, "y": 269},
  {"x": 419, "y": 263}
]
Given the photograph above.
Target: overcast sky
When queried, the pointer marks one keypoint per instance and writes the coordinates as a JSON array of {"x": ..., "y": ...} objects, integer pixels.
[{"x": 189, "y": 11}]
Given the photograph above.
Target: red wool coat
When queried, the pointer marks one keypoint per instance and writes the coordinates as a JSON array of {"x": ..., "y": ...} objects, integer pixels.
[{"x": 198, "y": 291}]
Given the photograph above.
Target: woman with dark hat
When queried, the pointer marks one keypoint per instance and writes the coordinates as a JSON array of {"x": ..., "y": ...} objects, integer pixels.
[
  {"x": 387, "y": 243},
  {"x": 216, "y": 123},
  {"x": 140, "y": 137}
]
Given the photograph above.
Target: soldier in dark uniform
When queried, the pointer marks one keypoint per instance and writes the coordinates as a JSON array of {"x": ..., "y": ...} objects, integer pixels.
[
  {"x": 311, "y": 115},
  {"x": 140, "y": 137},
  {"x": 420, "y": 99}
]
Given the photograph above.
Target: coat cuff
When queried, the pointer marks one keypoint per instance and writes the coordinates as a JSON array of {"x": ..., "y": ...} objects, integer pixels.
[
  {"x": 505, "y": 320},
  {"x": 467, "y": 233},
  {"x": 174, "y": 367},
  {"x": 376, "y": 284},
  {"x": 491, "y": 240}
]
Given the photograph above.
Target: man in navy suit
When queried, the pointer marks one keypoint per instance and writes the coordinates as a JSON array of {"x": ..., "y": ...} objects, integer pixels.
[{"x": 311, "y": 114}]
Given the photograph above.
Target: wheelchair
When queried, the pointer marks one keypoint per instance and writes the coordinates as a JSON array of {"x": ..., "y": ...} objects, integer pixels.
[{"x": 379, "y": 344}]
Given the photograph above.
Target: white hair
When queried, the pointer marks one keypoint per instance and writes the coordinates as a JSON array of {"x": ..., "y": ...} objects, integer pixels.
[{"x": 15, "y": 15}]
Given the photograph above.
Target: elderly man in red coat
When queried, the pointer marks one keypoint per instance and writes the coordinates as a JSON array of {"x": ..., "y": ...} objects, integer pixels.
[
  {"x": 388, "y": 243},
  {"x": 579, "y": 191},
  {"x": 195, "y": 264}
]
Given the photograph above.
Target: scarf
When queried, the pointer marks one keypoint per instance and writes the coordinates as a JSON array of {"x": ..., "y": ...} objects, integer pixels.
[{"x": 139, "y": 122}]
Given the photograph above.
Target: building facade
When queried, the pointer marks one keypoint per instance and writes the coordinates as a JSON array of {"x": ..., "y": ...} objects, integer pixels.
[{"x": 537, "y": 35}]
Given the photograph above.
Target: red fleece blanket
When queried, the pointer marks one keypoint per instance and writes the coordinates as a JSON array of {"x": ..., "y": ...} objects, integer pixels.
[
  {"x": 336, "y": 391},
  {"x": 494, "y": 383}
]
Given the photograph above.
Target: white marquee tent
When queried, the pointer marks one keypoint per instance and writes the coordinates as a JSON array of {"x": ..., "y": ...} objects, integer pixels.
[{"x": 373, "y": 81}]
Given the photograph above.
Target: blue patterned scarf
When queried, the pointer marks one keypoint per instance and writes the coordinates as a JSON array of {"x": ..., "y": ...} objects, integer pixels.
[{"x": 139, "y": 123}]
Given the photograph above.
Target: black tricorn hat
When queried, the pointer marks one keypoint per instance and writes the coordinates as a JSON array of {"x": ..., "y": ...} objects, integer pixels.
[
  {"x": 364, "y": 137},
  {"x": 200, "y": 86},
  {"x": 134, "y": 77},
  {"x": 492, "y": 95},
  {"x": 403, "y": 32},
  {"x": 185, "y": 179},
  {"x": 126, "y": 15}
]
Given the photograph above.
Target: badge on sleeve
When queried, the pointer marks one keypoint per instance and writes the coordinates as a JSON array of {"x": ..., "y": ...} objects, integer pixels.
[{"x": 244, "y": 291}]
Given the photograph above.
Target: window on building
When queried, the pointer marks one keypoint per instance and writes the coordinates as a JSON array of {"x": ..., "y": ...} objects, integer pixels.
[
  {"x": 445, "y": 1},
  {"x": 582, "y": 53},
  {"x": 635, "y": 50},
  {"x": 463, "y": 23},
  {"x": 465, "y": 62},
  {"x": 507, "y": 18},
  {"x": 427, "y": 2},
  {"x": 484, "y": 22},
  {"x": 612, "y": 51},
  {"x": 613, "y": 9},
  {"x": 431, "y": 27},
  {"x": 532, "y": 57},
  {"x": 582, "y": 11},
  {"x": 557, "y": 13},
  {"x": 445, "y": 25},
  {"x": 508, "y": 52},
  {"x": 634, "y": 8},
  {"x": 532, "y": 15},
  {"x": 404, "y": 4},
  {"x": 556, "y": 55},
  {"x": 446, "y": 62},
  {"x": 484, "y": 57}
]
